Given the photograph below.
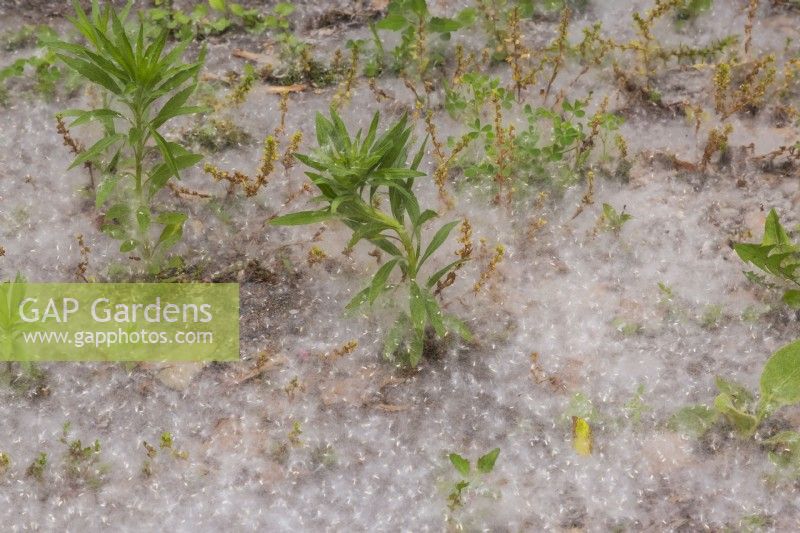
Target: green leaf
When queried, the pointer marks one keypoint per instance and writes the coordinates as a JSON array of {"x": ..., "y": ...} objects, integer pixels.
[
  {"x": 392, "y": 22},
  {"x": 301, "y": 218},
  {"x": 460, "y": 464},
  {"x": 694, "y": 420},
  {"x": 486, "y": 462},
  {"x": 434, "y": 314},
  {"x": 143, "y": 218},
  {"x": 438, "y": 240},
  {"x": 773, "y": 231},
  {"x": 166, "y": 153},
  {"x": 174, "y": 107},
  {"x": 217, "y": 5},
  {"x": 443, "y": 25},
  {"x": 780, "y": 379},
  {"x": 416, "y": 345},
  {"x": 394, "y": 337},
  {"x": 358, "y": 300},
  {"x": 379, "y": 281},
  {"x": 743, "y": 422},
  {"x": 171, "y": 218},
  {"x": 128, "y": 245},
  {"x": 792, "y": 298},
  {"x": 417, "y": 309},
  {"x": 163, "y": 172},
  {"x": 86, "y": 116},
  {"x": 97, "y": 148},
  {"x": 104, "y": 189},
  {"x": 741, "y": 397},
  {"x": 92, "y": 73},
  {"x": 457, "y": 326}
]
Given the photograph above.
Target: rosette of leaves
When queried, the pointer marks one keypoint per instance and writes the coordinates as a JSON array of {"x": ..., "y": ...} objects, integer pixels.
[
  {"x": 776, "y": 255},
  {"x": 145, "y": 86},
  {"x": 355, "y": 176}
]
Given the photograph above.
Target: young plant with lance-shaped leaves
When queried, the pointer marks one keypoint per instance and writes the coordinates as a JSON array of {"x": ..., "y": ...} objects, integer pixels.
[
  {"x": 358, "y": 175},
  {"x": 144, "y": 87}
]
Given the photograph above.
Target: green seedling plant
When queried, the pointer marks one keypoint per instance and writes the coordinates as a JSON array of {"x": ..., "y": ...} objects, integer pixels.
[
  {"x": 82, "y": 463},
  {"x": 613, "y": 220},
  {"x": 356, "y": 176},
  {"x": 210, "y": 18},
  {"x": 776, "y": 255},
  {"x": 737, "y": 408},
  {"x": 37, "y": 467},
  {"x": 469, "y": 479},
  {"x": 146, "y": 86},
  {"x": 553, "y": 151},
  {"x": 415, "y": 24},
  {"x": 42, "y": 67},
  {"x": 467, "y": 100}
]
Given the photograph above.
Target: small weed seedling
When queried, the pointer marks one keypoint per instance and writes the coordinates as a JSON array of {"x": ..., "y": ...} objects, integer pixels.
[
  {"x": 147, "y": 87},
  {"x": 42, "y": 67},
  {"x": 613, "y": 220},
  {"x": 166, "y": 446},
  {"x": 213, "y": 17},
  {"x": 82, "y": 463},
  {"x": 776, "y": 255},
  {"x": 737, "y": 408},
  {"x": 37, "y": 467},
  {"x": 354, "y": 176},
  {"x": 469, "y": 479}
]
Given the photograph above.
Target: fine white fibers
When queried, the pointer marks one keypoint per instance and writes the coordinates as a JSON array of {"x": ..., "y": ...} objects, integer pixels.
[{"x": 313, "y": 442}]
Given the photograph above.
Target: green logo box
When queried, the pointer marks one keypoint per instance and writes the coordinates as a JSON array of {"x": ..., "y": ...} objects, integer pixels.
[{"x": 119, "y": 322}]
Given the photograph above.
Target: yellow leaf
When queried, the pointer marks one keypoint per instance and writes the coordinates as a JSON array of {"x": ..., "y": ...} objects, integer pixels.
[{"x": 581, "y": 436}]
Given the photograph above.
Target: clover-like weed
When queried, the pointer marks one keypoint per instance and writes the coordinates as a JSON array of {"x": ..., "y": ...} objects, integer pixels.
[
  {"x": 145, "y": 87},
  {"x": 355, "y": 175}
]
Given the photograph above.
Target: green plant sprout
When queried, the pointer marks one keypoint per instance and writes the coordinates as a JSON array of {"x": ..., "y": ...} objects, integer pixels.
[
  {"x": 81, "y": 463},
  {"x": 737, "y": 408},
  {"x": 412, "y": 20},
  {"x": 37, "y": 467},
  {"x": 147, "y": 87},
  {"x": 469, "y": 479},
  {"x": 552, "y": 152},
  {"x": 166, "y": 445},
  {"x": 354, "y": 176},
  {"x": 776, "y": 255},
  {"x": 42, "y": 66},
  {"x": 613, "y": 220},
  {"x": 206, "y": 19}
]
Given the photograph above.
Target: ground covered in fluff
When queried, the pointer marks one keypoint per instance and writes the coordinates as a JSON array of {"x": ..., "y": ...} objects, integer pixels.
[{"x": 619, "y": 326}]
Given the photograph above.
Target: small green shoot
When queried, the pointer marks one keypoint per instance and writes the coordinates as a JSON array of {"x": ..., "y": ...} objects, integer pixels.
[
  {"x": 37, "y": 467},
  {"x": 469, "y": 478},
  {"x": 613, "y": 220}
]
